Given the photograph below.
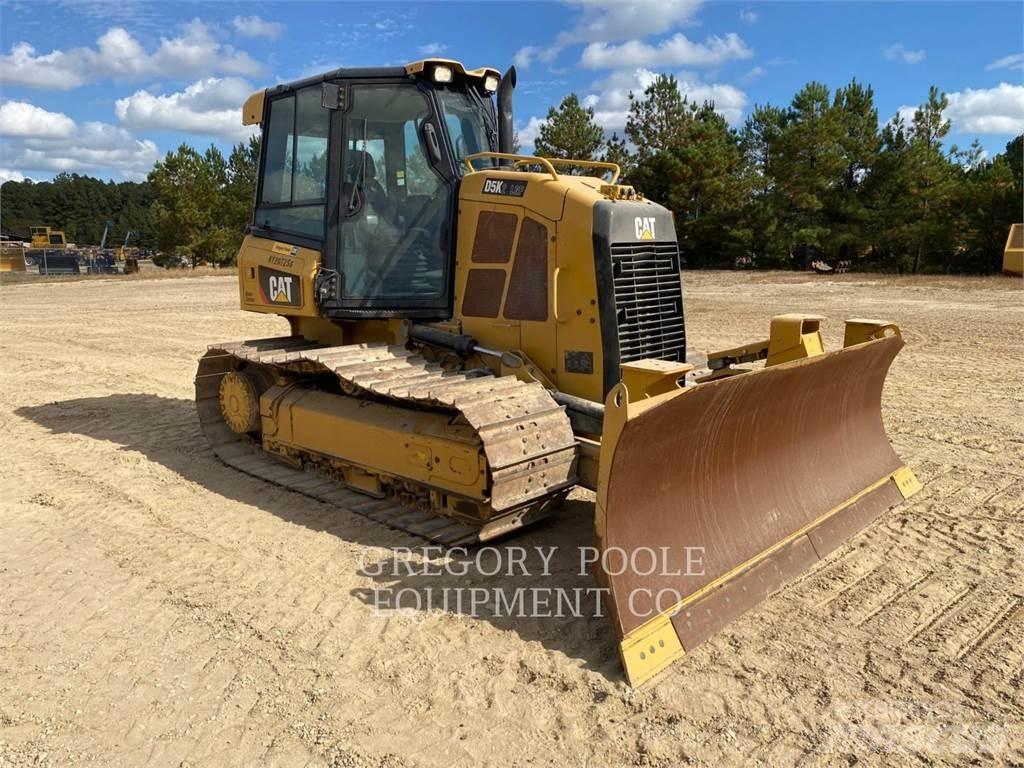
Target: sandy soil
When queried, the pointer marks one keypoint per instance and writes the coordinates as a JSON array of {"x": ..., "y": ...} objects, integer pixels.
[{"x": 158, "y": 608}]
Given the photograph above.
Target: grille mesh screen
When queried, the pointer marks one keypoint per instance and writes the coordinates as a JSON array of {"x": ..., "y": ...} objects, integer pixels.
[{"x": 648, "y": 301}]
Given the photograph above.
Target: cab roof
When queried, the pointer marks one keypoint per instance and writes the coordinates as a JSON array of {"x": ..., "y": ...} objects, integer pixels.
[{"x": 252, "y": 111}]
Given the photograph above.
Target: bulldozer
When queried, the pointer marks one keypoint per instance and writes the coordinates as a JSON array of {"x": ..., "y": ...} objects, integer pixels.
[
  {"x": 12, "y": 256},
  {"x": 50, "y": 254},
  {"x": 474, "y": 333}
]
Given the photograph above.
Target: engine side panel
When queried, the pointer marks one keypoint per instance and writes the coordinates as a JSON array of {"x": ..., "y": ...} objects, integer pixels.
[{"x": 606, "y": 291}]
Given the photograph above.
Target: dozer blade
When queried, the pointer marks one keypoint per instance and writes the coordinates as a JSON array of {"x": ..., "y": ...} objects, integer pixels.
[{"x": 712, "y": 497}]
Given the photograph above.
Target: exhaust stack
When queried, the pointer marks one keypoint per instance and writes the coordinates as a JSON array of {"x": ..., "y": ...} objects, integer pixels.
[{"x": 506, "y": 129}]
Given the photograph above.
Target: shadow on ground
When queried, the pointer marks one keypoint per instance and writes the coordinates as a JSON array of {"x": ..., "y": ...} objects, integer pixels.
[{"x": 560, "y": 607}]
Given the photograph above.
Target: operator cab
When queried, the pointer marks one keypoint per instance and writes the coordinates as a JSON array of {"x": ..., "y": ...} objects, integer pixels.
[{"x": 363, "y": 165}]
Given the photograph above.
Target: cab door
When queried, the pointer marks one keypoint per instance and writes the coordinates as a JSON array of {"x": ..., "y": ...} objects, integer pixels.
[{"x": 394, "y": 209}]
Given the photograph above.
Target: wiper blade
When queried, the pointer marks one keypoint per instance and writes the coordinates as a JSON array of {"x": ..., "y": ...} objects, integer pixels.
[{"x": 357, "y": 184}]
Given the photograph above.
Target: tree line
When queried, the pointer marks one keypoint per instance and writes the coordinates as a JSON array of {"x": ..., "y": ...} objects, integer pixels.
[
  {"x": 193, "y": 207},
  {"x": 81, "y": 206},
  {"x": 818, "y": 180}
]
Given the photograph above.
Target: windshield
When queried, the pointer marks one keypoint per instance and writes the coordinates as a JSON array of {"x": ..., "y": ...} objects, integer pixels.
[{"x": 468, "y": 126}]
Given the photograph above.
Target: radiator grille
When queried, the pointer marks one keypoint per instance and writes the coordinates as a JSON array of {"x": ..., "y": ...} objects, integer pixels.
[{"x": 648, "y": 301}]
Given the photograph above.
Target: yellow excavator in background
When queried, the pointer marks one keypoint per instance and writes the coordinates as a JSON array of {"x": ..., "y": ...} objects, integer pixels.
[
  {"x": 474, "y": 333},
  {"x": 130, "y": 264}
]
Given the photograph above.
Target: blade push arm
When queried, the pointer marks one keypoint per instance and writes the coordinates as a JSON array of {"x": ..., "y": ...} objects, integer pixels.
[{"x": 793, "y": 337}]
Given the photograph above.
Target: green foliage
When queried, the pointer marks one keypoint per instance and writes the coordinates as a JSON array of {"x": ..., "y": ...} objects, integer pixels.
[
  {"x": 657, "y": 120},
  {"x": 616, "y": 150},
  {"x": 570, "y": 132},
  {"x": 690, "y": 160},
  {"x": 80, "y": 206},
  {"x": 819, "y": 179},
  {"x": 204, "y": 201}
]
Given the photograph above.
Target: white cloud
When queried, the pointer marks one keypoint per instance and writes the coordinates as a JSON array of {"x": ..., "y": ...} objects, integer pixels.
[
  {"x": 611, "y": 99},
  {"x": 525, "y": 56},
  {"x": 605, "y": 21},
  {"x": 729, "y": 101},
  {"x": 212, "y": 106},
  {"x": 749, "y": 17},
  {"x": 29, "y": 145},
  {"x": 998, "y": 110},
  {"x": 612, "y": 20},
  {"x": 432, "y": 49},
  {"x": 906, "y": 114},
  {"x": 6, "y": 174},
  {"x": 57, "y": 69},
  {"x": 120, "y": 56},
  {"x": 528, "y": 134},
  {"x": 254, "y": 26},
  {"x": 755, "y": 73},
  {"x": 19, "y": 118},
  {"x": 677, "y": 50},
  {"x": 529, "y": 53},
  {"x": 1013, "y": 61},
  {"x": 899, "y": 52}
]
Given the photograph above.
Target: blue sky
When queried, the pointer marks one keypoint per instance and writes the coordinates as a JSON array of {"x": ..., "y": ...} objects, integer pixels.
[{"x": 105, "y": 87}]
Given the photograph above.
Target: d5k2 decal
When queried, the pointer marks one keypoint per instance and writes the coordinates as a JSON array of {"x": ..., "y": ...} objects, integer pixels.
[
  {"x": 278, "y": 287},
  {"x": 504, "y": 187}
]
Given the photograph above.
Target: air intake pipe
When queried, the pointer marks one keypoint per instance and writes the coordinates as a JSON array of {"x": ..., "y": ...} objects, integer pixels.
[{"x": 506, "y": 128}]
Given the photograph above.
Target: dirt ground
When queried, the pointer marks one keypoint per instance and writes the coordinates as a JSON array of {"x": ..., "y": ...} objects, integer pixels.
[{"x": 158, "y": 608}]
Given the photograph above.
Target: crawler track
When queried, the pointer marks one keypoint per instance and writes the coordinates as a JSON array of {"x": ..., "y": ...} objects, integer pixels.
[{"x": 525, "y": 436}]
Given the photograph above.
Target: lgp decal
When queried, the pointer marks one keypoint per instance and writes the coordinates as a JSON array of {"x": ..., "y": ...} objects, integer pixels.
[
  {"x": 280, "y": 287},
  {"x": 504, "y": 187},
  {"x": 644, "y": 228}
]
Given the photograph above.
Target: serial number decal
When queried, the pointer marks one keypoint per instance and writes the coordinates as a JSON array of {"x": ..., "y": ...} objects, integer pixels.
[
  {"x": 504, "y": 187},
  {"x": 279, "y": 287},
  {"x": 281, "y": 261}
]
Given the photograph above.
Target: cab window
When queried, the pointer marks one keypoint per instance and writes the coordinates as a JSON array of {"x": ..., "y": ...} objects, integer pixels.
[
  {"x": 294, "y": 182},
  {"x": 467, "y": 127}
]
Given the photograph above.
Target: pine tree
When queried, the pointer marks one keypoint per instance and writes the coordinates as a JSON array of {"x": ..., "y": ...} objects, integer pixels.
[
  {"x": 570, "y": 132},
  {"x": 810, "y": 162},
  {"x": 761, "y": 229},
  {"x": 930, "y": 181},
  {"x": 617, "y": 151},
  {"x": 846, "y": 208},
  {"x": 689, "y": 160},
  {"x": 657, "y": 118}
]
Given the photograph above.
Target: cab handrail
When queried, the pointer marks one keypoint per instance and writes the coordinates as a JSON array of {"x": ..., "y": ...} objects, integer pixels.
[
  {"x": 517, "y": 160},
  {"x": 548, "y": 163},
  {"x": 613, "y": 167}
]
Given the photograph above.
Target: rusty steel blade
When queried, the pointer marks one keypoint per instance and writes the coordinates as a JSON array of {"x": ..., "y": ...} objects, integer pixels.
[{"x": 715, "y": 496}]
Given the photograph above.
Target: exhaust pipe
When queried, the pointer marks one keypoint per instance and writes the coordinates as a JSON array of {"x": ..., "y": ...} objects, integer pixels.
[{"x": 506, "y": 129}]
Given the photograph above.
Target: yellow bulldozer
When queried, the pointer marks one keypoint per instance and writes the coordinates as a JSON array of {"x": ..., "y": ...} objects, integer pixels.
[
  {"x": 50, "y": 254},
  {"x": 474, "y": 333},
  {"x": 12, "y": 256}
]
